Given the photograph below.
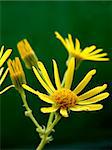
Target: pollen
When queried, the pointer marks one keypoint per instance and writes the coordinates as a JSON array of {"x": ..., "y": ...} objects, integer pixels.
[{"x": 65, "y": 98}]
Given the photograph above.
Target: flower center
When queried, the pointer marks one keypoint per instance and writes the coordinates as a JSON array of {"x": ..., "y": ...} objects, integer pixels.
[
  {"x": 77, "y": 55},
  {"x": 65, "y": 98}
]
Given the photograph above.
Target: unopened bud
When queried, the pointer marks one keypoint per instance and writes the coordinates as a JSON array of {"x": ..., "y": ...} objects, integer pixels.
[
  {"x": 16, "y": 73},
  {"x": 27, "y": 54}
]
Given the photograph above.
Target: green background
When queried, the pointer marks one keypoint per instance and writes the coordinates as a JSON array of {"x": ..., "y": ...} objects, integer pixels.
[{"x": 91, "y": 22}]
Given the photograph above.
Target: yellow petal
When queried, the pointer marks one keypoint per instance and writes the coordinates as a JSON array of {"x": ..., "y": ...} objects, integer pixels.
[
  {"x": 87, "y": 50},
  {"x": 45, "y": 75},
  {"x": 69, "y": 73},
  {"x": 1, "y": 51},
  {"x": 56, "y": 75},
  {"x": 58, "y": 36},
  {"x": 49, "y": 109},
  {"x": 99, "y": 55},
  {"x": 1, "y": 71},
  {"x": 28, "y": 88},
  {"x": 20, "y": 69},
  {"x": 5, "y": 56},
  {"x": 92, "y": 92},
  {"x": 97, "y": 59},
  {"x": 45, "y": 98},
  {"x": 9, "y": 63},
  {"x": 42, "y": 81},
  {"x": 69, "y": 46},
  {"x": 4, "y": 76},
  {"x": 77, "y": 45},
  {"x": 27, "y": 45},
  {"x": 84, "y": 82},
  {"x": 14, "y": 66},
  {"x": 7, "y": 88},
  {"x": 63, "y": 112},
  {"x": 95, "y": 52},
  {"x": 94, "y": 99},
  {"x": 71, "y": 42},
  {"x": 22, "y": 49},
  {"x": 92, "y": 107}
]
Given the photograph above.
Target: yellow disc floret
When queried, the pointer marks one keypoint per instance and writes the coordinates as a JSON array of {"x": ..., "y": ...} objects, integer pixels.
[{"x": 65, "y": 98}]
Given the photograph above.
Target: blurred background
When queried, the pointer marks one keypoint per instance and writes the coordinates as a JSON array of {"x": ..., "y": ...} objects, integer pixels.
[{"x": 91, "y": 23}]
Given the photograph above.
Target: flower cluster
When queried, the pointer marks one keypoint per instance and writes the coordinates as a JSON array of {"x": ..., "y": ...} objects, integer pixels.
[{"x": 61, "y": 96}]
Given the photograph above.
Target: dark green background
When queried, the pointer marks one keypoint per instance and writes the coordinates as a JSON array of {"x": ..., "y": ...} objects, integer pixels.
[{"x": 91, "y": 22}]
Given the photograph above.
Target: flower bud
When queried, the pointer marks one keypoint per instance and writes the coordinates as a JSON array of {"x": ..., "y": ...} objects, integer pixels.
[
  {"x": 27, "y": 54},
  {"x": 16, "y": 73}
]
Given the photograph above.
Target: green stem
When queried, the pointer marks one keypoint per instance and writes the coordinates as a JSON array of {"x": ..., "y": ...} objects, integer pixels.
[
  {"x": 63, "y": 81},
  {"x": 78, "y": 62},
  {"x": 28, "y": 110},
  {"x": 42, "y": 143},
  {"x": 47, "y": 132},
  {"x": 50, "y": 119},
  {"x": 57, "y": 118}
]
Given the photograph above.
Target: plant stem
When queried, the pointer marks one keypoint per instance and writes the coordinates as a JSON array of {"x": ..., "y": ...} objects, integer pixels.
[
  {"x": 78, "y": 62},
  {"x": 42, "y": 143},
  {"x": 47, "y": 132},
  {"x": 28, "y": 110},
  {"x": 50, "y": 119}
]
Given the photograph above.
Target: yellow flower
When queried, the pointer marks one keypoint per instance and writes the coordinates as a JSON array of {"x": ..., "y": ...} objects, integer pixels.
[
  {"x": 27, "y": 54},
  {"x": 88, "y": 53},
  {"x": 16, "y": 73},
  {"x": 2, "y": 77},
  {"x": 3, "y": 58},
  {"x": 63, "y": 98}
]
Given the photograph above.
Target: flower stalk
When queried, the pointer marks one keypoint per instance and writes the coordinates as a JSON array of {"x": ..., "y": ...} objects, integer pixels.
[
  {"x": 46, "y": 138},
  {"x": 18, "y": 78},
  {"x": 28, "y": 112},
  {"x": 51, "y": 116}
]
